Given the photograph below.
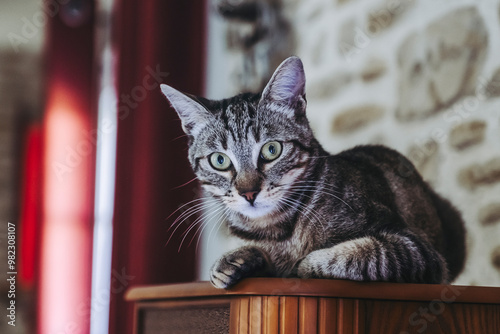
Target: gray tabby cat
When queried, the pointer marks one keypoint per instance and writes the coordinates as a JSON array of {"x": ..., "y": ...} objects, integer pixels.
[{"x": 364, "y": 214}]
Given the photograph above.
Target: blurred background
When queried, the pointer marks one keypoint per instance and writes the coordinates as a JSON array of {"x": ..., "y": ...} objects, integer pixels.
[{"x": 93, "y": 167}]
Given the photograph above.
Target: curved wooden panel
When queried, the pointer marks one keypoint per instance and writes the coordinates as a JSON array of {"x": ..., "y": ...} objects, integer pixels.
[
  {"x": 308, "y": 315},
  {"x": 270, "y": 308},
  {"x": 327, "y": 322},
  {"x": 289, "y": 315}
]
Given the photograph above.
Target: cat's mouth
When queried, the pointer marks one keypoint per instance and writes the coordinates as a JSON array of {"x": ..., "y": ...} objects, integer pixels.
[
  {"x": 267, "y": 204},
  {"x": 260, "y": 208},
  {"x": 256, "y": 210}
]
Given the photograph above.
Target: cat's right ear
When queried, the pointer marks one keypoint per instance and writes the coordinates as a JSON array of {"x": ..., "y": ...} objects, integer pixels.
[
  {"x": 192, "y": 114},
  {"x": 287, "y": 87}
]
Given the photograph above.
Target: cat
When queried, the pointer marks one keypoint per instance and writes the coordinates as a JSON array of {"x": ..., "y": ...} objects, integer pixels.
[{"x": 364, "y": 214}]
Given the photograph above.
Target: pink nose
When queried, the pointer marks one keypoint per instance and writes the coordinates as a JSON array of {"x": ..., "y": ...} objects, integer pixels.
[{"x": 250, "y": 195}]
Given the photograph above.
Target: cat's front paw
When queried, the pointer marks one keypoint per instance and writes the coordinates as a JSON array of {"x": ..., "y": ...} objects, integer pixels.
[
  {"x": 238, "y": 264},
  {"x": 333, "y": 262},
  {"x": 305, "y": 269}
]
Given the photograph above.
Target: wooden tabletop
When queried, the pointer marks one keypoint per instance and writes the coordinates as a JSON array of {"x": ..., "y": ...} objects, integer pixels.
[{"x": 320, "y": 288}]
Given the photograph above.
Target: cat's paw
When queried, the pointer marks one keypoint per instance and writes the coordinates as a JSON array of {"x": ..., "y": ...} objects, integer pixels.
[
  {"x": 238, "y": 264},
  {"x": 305, "y": 269},
  {"x": 334, "y": 262}
]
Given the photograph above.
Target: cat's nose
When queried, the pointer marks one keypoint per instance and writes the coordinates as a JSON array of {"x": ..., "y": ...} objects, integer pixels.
[{"x": 249, "y": 196}]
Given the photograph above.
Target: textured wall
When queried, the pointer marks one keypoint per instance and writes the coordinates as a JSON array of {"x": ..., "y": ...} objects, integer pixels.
[{"x": 422, "y": 77}]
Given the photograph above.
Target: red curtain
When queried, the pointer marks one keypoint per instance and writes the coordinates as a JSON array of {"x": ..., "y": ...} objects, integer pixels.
[
  {"x": 68, "y": 175},
  {"x": 156, "y": 41},
  {"x": 30, "y": 209},
  {"x": 30, "y": 206}
]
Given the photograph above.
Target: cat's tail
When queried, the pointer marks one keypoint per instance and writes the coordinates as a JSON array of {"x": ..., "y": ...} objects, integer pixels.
[{"x": 454, "y": 246}]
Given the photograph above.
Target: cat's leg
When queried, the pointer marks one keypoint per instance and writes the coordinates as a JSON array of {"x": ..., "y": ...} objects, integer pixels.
[
  {"x": 384, "y": 257},
  {"x": 237, "y": 264}
]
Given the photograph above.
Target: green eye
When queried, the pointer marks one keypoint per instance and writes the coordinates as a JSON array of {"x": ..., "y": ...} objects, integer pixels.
[
  {"x": 271, "y": 151},
  {"x": 219, "y": 161}
]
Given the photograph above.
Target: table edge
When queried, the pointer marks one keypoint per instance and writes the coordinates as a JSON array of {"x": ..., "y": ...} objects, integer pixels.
[{"x": 320, "y": 288}]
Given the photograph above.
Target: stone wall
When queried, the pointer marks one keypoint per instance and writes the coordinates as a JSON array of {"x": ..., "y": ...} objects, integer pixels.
[{"x": 422, "y": 77}]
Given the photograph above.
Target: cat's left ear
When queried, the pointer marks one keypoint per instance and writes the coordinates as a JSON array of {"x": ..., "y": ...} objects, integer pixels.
[
  {"x": 193, "y": 115},
  {"x": 287, "y": 87}
]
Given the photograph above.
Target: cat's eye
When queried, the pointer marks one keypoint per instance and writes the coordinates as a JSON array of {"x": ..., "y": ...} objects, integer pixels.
[
  {"x": 270, "y": 151},
  {"x": 219, "y": 161}
]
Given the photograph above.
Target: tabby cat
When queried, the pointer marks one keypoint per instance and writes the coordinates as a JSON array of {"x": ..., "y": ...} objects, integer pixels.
[{"x": 364, "y": 214}]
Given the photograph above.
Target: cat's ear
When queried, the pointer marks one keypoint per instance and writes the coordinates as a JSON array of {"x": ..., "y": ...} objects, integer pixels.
[
  {"x": 193, "y": 115},
  {"x": 287, "y": 86}
]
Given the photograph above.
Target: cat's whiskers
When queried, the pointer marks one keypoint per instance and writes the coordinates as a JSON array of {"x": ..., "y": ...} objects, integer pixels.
[
  {"x": 187, "y": 214},
  {"x": 203, "y": 220},
  {"x": 179, "y": 137},
  {"x": 329, "y": 186},
  {"x": 314, "y": 189},
  {"x": 222, "y": 216},
  {"x": 219, "y": 224},
  {"x": 319, "y": 157},
  {"x": 188, "y": 203},
  {"x": 302, "y": 208},
  {"x": 296, "y": 182},
  {"x": 183, "y": 217},
  {"x": 296, "y": 201},
  {"x": 181, "y": 222},
  {"x": 204, "y": 223},
  {"x": 307, "y": 213},
  {"x": 186, "y": 183},
  {"x": 190, "y": 227},
  {"x": 281, "y": 209}
]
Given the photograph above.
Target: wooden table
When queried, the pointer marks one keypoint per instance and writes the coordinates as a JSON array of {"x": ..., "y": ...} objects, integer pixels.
[{"x": 275, "y": 305}]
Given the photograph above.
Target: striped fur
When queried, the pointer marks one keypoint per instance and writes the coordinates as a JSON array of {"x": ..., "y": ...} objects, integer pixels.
[{"x": 364, "y": 214}]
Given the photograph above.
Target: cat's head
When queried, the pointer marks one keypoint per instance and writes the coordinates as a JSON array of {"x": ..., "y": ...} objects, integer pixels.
[{"x": 250, "y": 150}]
